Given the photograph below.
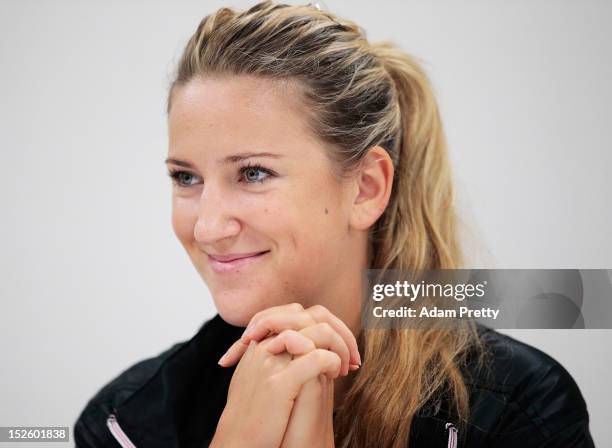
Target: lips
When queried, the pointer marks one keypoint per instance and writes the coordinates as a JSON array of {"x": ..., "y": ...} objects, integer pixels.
[
  {"x": 232, "y": 257},
  {"x": 232, "y": 262}
]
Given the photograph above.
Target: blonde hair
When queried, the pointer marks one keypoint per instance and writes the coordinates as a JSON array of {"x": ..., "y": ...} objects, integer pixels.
[{"x": 359, "y": 95}]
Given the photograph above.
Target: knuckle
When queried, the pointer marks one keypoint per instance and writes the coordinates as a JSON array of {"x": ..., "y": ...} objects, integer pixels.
[
  {"x": 286, "y": 335},
  {"x": 296, "y": 306},
  {"x": 308, "y": 317},
  {"x": 265, "y": 343},
  {"x": 262, "y": 347},
  {"x": 334, "y": 361},
  {"x": 269, "y": 363},
  {"x": 310, "y": 345},
  {"x": 318, "y": 308},
  {"x": 320, "y": 355},
  {"x": 290, "y": 332},
  {"x": 337, "y": 359},
  {"x": 256, "y": 316},
  {"x": 264, "y": 321},
  {"x": 253, "y": 324},
  {"x": 326, "y": 328},
  {"x": 283, "y": 334},
  {"x": 272, "y": 382}
]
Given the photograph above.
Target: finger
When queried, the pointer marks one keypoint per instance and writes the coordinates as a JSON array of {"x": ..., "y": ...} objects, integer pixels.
[
  {"x": 308, "y": 366},
  {"x": 321, "y": 334},
  {"x": 295, "y": 306},
  {"x": 237, "y": 350},
  {"x": 233, "y": 354},
  {"x": 277, "y": 322},
  {"x": 292, "y": 342},
  {"x": 321, "y": 314},
  {"x": 324, "y": 336},
  {"x": 276, "y": 319},
  {"x": 245, "y": 360},
  {"x": 329, "y": 411},
  {"x": 307, "y": 416},
  {"x": 330, "y": 398},
  {"x": 288, "y": 316}
]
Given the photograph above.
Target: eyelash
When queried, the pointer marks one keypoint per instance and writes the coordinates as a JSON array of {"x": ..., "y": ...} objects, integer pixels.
[{"x": 176, "y": 174}]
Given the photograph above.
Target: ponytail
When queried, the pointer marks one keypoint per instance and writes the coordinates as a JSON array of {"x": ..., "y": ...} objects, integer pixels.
[{"x": 405, "y": 370}]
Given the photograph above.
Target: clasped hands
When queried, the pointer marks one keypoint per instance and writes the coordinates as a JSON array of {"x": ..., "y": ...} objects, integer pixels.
[{"x": 282, "y": 391}]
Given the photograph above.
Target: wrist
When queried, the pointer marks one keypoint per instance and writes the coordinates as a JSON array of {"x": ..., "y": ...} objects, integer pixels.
[{"x": 223, "y": 435}]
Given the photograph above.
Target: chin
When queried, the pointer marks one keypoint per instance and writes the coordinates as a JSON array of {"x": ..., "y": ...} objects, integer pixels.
[{"x": 236, "y": 310}]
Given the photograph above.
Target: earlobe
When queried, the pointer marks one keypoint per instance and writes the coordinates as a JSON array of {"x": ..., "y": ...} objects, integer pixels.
[{"x": 373, "y": 182}]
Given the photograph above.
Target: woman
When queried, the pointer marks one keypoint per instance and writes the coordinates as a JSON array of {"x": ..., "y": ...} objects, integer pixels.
[{"x": 302, "y": 154}]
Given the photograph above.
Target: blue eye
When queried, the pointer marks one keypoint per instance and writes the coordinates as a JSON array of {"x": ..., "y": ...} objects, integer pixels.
[
  {"x": 251, "y": 173},
  {"x": 182, "y": 178}
]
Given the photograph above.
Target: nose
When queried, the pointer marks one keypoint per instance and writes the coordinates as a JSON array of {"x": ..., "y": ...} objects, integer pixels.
[{"x": 216, "y": 220}]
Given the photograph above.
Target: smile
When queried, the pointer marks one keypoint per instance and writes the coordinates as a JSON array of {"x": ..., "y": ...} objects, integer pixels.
[{"x": 231, "y": 265}]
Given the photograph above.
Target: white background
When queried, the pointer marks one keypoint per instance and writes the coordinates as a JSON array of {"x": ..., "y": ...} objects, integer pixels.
[{"x": 93, "y": 279}]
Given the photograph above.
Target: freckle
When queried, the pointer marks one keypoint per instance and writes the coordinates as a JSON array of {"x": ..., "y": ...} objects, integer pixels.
[{"x": 326, "y": 210}]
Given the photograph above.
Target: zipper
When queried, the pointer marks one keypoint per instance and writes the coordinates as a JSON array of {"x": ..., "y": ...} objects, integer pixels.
[
  {"x": 118, "y": 433},
  {"x": 452, "y": 435},
  {"x": 125, "y": 441}
]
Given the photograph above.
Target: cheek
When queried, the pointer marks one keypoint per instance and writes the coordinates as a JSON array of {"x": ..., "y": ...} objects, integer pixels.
[
  {"x": 184, "y": 218},
  {"x": 323, "y": 219},
  {"x": 319, "y": 232}
]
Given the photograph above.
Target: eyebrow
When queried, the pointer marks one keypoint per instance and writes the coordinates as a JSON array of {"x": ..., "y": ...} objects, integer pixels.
[{"x": 229, "y": 159}]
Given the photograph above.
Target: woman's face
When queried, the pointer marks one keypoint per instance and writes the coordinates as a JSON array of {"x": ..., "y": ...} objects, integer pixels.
[{"x": 230, "y": 199}]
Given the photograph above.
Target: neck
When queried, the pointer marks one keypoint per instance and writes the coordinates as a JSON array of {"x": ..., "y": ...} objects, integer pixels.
[{"x": 344, "y": 300}]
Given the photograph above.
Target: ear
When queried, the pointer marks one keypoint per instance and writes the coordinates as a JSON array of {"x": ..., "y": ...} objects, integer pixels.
[{"x": 371, "y": 188}]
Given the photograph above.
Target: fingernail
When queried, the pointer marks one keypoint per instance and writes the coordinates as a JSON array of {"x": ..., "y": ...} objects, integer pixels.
[
  {"x": 222, "y": 360},
  {"x": 354, "y": 366}
]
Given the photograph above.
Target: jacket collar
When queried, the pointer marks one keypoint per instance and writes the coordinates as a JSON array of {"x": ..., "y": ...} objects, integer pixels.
[{"x": 180, "y": 404}]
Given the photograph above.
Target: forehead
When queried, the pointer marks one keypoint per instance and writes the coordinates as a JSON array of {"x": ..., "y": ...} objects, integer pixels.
[{"x": 237, "y": 111}]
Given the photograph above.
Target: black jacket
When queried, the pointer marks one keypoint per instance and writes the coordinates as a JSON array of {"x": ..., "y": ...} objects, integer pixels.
[{"x": 175, "y": 399}]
